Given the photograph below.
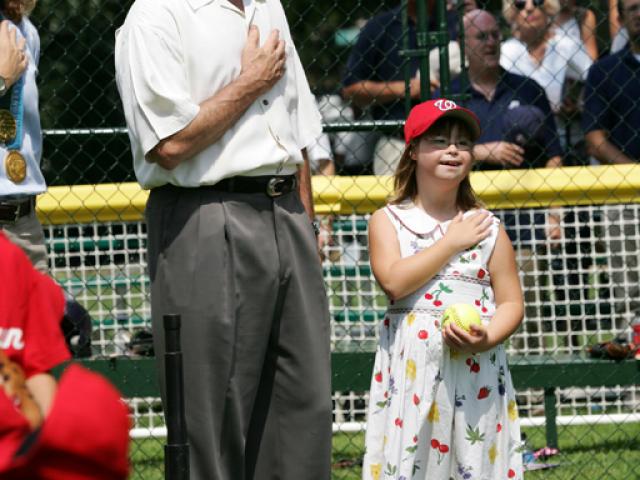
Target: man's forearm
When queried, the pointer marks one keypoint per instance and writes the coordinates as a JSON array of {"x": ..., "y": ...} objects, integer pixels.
[
  {"x": 367, "y": 92},
  {"x": 554, "y": 162},
  {"x": 217, "y": 114},
  {"x": 605, "y": 151},
  {"x": 304, "y": 186}
]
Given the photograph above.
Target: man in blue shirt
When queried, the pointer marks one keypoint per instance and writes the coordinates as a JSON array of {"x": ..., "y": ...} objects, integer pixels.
[
  {"x": 374, "y": 79},
  {"x": 21, "y": 143},
  {"x": 518, "y": 128},
  {"x": 611, "y": 117},
  {"x": 611, "y": 120}
]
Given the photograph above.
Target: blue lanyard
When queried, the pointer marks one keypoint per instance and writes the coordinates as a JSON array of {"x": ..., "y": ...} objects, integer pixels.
[{"x": 13, "y": 101}]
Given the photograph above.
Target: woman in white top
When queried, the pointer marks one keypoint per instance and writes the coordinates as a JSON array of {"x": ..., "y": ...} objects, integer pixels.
[
  {"x": 538, "y": 52},
  {"x": 619, "y": 34},
  {"x": 579, "y": 24}
]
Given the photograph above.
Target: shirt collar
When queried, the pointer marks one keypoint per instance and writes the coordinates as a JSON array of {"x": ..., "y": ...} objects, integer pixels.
[
  {"x": 628, "y": 56},
  {"x": 196, "y": 4},
  {"x": 501, "y": 86},
  {"x": 419, "y": 222}
]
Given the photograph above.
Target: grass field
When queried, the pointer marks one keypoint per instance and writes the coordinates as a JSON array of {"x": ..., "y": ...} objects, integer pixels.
[{"x": 601, "y": 452}]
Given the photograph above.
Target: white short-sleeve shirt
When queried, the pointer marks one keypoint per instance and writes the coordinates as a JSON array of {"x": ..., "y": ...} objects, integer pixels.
[
  {"x": 563, "y": 58},
  {"x": 172, "y": 55}
]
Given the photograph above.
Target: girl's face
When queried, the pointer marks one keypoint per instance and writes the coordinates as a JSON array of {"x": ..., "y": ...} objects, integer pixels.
[{"x": 444, "y": 152}]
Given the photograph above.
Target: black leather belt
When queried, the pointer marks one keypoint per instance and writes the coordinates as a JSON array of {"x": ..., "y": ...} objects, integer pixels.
[
  {"x": 270, "y": 185},
  {"x": 11, "y": 212}
]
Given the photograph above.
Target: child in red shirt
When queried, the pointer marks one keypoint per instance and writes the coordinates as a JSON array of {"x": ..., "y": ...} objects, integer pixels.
[{"x": 85, "y": 431}]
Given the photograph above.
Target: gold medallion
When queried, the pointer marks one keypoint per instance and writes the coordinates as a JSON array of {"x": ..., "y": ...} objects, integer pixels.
[
  {"x": 16, "y": 166},
  {"x": 7, "y": 126}
]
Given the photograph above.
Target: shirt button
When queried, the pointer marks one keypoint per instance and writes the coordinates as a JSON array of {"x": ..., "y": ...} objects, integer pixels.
[{"x": 265, "y": 102}]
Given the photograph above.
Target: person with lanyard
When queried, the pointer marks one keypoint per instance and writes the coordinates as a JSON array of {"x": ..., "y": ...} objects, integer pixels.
[
  {"x": 20, "y": 133},
  {"x": 219, "y": 136}
]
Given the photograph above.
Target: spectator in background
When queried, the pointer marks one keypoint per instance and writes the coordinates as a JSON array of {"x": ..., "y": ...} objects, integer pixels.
[
  {"x": 612, "y": 125},
  {"x": 555, "y": 61},
  {"x": 619, "y": 34},
  {"x": 518, "y": 131},
  {"x": 374, "y": 81},
  {"x": 612, "y": 97},
  {"x": 455, "y": 63},
  {"x": 518, "y": 128},
  {"x": 578, "y": 24}
]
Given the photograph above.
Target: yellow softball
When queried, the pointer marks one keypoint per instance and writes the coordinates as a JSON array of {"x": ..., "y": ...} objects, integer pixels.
[{"x": 462, "y": 315}]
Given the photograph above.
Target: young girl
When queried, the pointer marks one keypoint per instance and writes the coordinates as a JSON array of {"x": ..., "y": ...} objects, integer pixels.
[{"x": 442, "y": 404}]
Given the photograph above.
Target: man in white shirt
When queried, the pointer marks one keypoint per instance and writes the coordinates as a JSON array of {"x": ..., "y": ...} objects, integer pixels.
[{"x": 219, "y": 114}]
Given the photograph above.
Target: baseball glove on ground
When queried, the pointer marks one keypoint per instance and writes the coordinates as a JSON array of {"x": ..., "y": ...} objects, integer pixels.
[{"x": 13, "y": 383}]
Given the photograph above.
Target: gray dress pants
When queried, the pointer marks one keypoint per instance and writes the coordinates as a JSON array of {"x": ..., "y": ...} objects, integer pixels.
[{"x": 243, "y": 272}]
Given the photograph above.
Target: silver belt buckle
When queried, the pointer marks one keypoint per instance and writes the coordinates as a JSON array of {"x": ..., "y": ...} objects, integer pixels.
[{"x": 274, "y": 186}]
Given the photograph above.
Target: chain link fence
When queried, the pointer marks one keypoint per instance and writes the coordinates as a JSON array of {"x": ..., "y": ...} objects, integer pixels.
[{"x": 575, "y": 230}]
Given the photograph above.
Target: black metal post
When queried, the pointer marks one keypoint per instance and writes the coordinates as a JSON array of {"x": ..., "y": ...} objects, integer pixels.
[{"x": 176, "y": 451}]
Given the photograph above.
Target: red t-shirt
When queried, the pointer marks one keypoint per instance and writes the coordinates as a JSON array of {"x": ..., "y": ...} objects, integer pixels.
[{"x": 31, "y": 309}]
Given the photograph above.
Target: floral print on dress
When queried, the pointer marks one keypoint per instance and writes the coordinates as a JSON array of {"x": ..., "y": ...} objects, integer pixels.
[
  {"x": 420, "y": 388},
  {"x": 435, "y": 294}
]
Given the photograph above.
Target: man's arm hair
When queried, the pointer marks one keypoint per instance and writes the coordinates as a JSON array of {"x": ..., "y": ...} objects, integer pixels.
[
  {"x": 600, "y": 147},
  {"x": 261, "y": 69}
]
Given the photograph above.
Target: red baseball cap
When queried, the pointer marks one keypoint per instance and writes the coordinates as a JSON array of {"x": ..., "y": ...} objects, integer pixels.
[{"x": 425, "y": 114}]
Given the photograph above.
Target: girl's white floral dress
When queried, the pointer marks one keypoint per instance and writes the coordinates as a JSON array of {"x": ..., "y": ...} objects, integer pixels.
[{"x": 435, "y": 413}]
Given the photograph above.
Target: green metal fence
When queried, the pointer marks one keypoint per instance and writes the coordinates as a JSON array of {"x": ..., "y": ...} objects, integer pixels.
[{"x": 584, "y": 285}]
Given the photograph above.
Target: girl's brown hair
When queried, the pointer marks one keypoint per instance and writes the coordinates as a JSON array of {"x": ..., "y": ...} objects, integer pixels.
[{"x": 404, "y": 180}]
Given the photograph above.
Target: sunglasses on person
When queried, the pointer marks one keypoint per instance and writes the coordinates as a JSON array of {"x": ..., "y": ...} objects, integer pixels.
[{"x": 521, "y": 4}]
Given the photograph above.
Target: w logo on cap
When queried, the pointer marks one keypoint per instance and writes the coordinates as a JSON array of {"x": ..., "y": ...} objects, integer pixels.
[{"x": 445, "y": 105}]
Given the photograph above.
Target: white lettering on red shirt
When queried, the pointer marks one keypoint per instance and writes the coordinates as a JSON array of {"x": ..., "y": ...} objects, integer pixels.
[{"x": 11, "y": 338}]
